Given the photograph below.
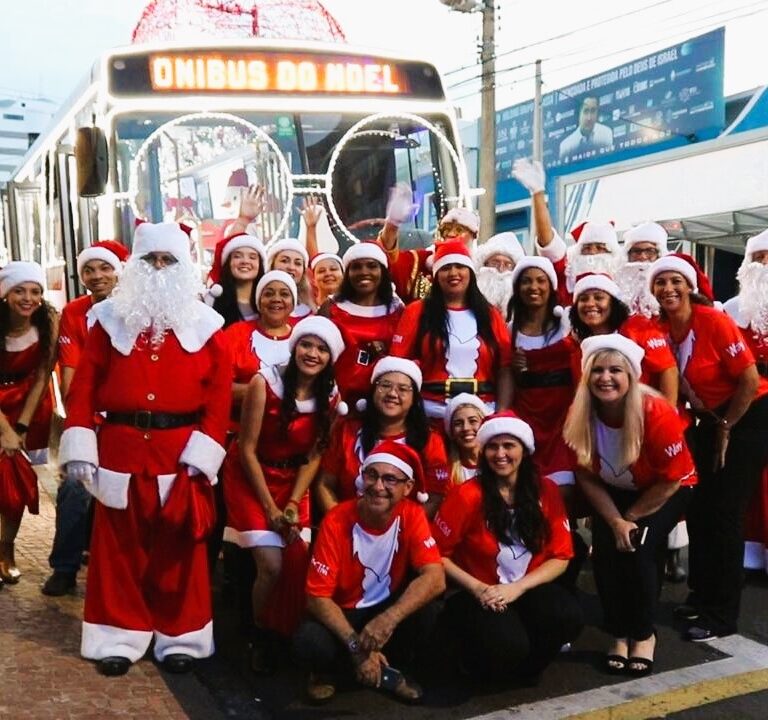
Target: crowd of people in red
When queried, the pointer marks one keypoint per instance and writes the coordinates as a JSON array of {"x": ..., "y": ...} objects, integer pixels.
[{"x": 404, "y": 442}]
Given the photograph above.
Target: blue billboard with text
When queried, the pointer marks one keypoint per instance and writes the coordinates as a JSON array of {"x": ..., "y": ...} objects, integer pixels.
[{"x": 672, "y": 94}]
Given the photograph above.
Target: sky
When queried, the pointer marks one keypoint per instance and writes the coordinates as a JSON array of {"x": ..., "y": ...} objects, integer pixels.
[{"x": 48, "y": 47}]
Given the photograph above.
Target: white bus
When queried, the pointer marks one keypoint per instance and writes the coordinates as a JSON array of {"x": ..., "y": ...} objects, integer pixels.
[{"x": 174, "y": 132}]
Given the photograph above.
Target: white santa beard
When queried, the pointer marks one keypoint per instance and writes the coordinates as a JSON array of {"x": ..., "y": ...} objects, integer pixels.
[
  {"x": 158, "y": 300},
  {"x": 632, "y": 279},
  {"x": 496, "y": 286},
  {"x": 578, "y": 264},
  {"x": 753, "y": 296}
]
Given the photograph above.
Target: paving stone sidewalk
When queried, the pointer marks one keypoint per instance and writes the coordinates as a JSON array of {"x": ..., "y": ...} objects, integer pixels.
[{"x": 41, "y": 672}]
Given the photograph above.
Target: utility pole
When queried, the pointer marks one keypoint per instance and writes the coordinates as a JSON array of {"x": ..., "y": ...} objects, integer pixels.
[{"x": 538, "y": 139}]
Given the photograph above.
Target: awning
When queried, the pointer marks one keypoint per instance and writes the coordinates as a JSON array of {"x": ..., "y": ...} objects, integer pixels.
[{"x": 724, "y": 230}]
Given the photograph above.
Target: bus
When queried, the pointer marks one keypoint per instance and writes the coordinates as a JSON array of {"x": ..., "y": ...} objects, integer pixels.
[{"x": 176, "y": 132}]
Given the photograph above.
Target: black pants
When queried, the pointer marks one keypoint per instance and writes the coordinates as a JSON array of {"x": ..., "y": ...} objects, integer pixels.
[
  {"x": 628, "y": 582},
  {"x": 317, "y": 649},
  {"x": 716, "y": 514},
  {"x": 522, "y": 640}
]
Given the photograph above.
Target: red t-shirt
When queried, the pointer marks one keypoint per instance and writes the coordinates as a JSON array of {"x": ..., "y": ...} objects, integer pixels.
[
  {"x": 344, "y": 456},
  {"x": 462, "y": 535},
  {"x": 711, "y": 357},
  {"x": 664, "y": 456},
  {"x": 357, "y": 566},
  {"x": 73, "y": 330},
  {"x": 649, "y": 336}
]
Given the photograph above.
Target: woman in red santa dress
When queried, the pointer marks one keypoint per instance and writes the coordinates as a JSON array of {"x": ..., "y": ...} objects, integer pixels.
[
  {"x": 750, "y": 311},
  {"x": 29, "y": 329},
  {"x": 637, "y": 473},
  {"x": 327, "y": 274},
  {"x": 463, "y": 416},
  {"x": 285, "y": 424},
  {"x": 290, "y": 256},
  {"x": 719, "y": 379},
  {"x": 598, "y": 309},
  {"x": 504, "y": 538},
  {"x": 393, "y": 410},
  {"x": 366, "y": 311},
  {"x": 459, "y": 339},
  {"x": 238, "y": 265}
]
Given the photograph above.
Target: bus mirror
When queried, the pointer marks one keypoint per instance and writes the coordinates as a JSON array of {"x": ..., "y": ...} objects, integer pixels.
[{"x": 92, "y": 161}]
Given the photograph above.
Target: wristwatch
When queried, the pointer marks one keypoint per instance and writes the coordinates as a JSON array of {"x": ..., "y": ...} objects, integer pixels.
[{"x": 353, "y": 644}]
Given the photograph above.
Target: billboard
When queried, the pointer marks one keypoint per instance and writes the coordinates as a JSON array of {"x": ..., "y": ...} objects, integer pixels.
[{"x": 670, "y": 94}]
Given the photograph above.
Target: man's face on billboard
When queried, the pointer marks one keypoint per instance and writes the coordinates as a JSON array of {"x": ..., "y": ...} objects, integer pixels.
[{"x": 588, "y": 115}]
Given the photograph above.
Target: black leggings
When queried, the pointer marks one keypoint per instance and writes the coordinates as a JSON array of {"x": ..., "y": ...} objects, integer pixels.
[
  {"x": 522, "y": 640},
  {"x": 628, "y": 582}
]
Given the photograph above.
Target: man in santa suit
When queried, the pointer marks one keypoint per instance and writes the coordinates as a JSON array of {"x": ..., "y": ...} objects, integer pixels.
[
  {"x": 156, "y": 364},
  {"x": 596, "y": 245},
  {"x": 98, "y": 267},
  {"x": 750, "y": 311},
  {"x": 495, "y": 259},
  {"x": 364, "y": 609},
  {"x": 642, "y": 244}
]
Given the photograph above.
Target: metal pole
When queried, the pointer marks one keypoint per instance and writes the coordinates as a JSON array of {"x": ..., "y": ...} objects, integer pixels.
[
  {"x": 488, "y": 123},
  {"x": 538, "y": 139}
]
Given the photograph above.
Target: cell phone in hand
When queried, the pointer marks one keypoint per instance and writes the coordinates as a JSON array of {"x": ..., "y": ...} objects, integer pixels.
[
  {"x": 637, "y": 536},
  {"x": 390, "y": 678}
]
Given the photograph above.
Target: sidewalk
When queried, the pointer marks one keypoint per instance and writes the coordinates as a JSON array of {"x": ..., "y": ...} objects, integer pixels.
[{"x": 41, "y": 672}]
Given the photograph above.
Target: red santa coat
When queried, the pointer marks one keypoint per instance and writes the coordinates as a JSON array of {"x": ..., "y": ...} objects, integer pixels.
[
  {"x": 148, "y": 575},
  {"x": 252, "y": 348},
  {"x": 345, "y": 454},
  {"x": 543, "y": 394},
  {"x": 405, "y": 267},
  {"x": 462, "y": 535},
  {"x": 358, "y": 566},
  {"x": 467, "y": 356},
  {"x": 360, "y": 326}
]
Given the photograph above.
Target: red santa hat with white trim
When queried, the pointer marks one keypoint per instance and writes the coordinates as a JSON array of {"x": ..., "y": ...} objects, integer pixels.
[
  {"x": 596, "y": 281},
  {"x": 109, "y": 251},
  {"x": 320, "y": 257},
  {"x": 166, "y": 237},
  {"x": 226, "y": 247},
  {"x": 601, "y": 233},
  {"x": 616, "y": 343},
  {"x": 291, "y": 244},
  {"x": 505, "y": 243},
  {"x": 451, "y": 252},
  {"x": 404, "y": 458},
  {"x": 389, "y": 364},
  {"x": 506, "y": 423},
  {"x": 18, "y": 272},
  {"x": 463, "y": 216},
  {"x": 368, "y": 250}
]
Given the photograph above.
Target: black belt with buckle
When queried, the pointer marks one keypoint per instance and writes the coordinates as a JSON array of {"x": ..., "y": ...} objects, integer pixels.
[
  {"x": 146, "y": 420},
  {"x": 294, "y": 461},
  {"x": 554, "y": 378},
  {"x": 456, "y": 386},
  {"x": 11, "y": 378}
]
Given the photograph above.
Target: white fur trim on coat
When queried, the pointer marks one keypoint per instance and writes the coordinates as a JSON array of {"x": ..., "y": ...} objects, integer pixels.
[
  {"x": 101, "y": 641},
  {"x": 78, "y": 444},
  {"x": 196, "y": 643},
  {"x": 555, "y": 250},
  {"x": 204, "y": 453}
]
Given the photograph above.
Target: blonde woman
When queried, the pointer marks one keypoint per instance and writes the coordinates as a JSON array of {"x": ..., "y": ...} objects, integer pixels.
[
  {"x": 463, "y": 416},
  {"x": 637, "y": 473}
]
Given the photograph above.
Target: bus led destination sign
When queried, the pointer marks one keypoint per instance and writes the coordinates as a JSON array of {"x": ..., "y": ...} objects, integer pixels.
[{"x": 272, "y": 73}]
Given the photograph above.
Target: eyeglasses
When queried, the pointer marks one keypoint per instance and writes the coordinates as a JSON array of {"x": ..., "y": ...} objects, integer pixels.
[
  {"x": 390, "y": 481},
  {"x": 500, "y": 264},
  {"x": 643, "y": 252},
  {"x": 386, "y": 386},
  {"x": 162, "y": 259}
]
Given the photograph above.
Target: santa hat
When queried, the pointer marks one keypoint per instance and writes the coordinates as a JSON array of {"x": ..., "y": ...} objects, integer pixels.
[
  {"x": 505, "y": 243},
  {"x": 167, "y": 237},
  {"x": 451, "y": 252},
  {"x": 463, "y": 216},
  {"x": 291, "y": 244},
  {"x": 535, "y": 261},
  {"x": 397, "y": 364},
  {"x": 506, "y": 423},
  {"x": 674, "y": 263},
  {"x": 319, "y": 257},
  {"x": 590, "y": 232},
  {"x": 369, "y": 250},
  {"x": 757, "y": 243},
  {"x": 461, "y": 400},
  {"x": 649, "y": 232},
  {"x": 224, "y": 248},
  {"x": 616, "y": 343},
  {"x": 404, "y": 458},
  {"x": 321, "y": 327},
  {"x": 109, "y": 251},
  {"x": 238, "y": 179},
  {"x": 17, "y": 272},
  {"x": 596, "y": 281},
  {"x": 276, "y": 276}
]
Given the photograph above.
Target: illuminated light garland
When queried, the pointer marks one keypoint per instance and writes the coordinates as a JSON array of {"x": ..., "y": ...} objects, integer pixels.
[{"x": 285, "y": 175}]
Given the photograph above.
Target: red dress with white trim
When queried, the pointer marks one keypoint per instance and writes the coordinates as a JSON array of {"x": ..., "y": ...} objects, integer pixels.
[
  {"x": 345, "y": 454},
  {"x": 360, "y": 326},
  {"x": 358, "y": 566}
]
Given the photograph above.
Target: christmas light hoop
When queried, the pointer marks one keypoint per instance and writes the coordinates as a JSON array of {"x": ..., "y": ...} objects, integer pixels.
[
  {"x": 285, "y": 172},
  {"x": 357, "y": 129}
]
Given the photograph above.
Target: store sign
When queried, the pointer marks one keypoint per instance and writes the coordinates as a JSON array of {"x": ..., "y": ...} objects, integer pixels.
[{"x": 674, "y": 93}]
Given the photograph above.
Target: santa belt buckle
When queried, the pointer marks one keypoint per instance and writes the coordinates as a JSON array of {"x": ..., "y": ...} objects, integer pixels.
[
  {"x": 142, "y": 419},
  {"x": 456, "y": 386}
]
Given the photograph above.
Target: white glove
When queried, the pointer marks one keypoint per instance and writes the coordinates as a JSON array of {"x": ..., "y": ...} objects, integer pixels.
[
  {"x": 80, "y": 471},
  {"x": 400, "y": 207},
  {"x": 530, "y": 174}
]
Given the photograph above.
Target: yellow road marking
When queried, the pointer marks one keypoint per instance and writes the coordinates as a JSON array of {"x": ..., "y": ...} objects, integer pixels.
[{"x": 684, "y": 698}]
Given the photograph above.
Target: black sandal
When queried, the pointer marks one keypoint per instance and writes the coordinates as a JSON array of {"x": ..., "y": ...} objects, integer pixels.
[
  {"x": 615, "y": 664},
  {"x": 642, "y": 666}
]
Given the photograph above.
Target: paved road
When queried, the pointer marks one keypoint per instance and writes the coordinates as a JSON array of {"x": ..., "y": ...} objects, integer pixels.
[{"x": 42, "y": 676}]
